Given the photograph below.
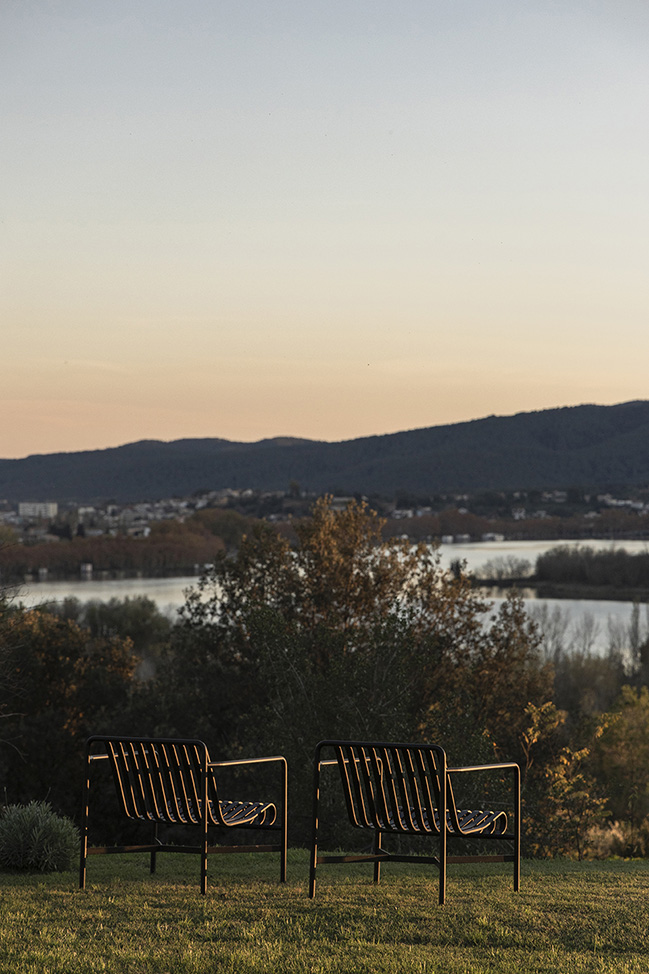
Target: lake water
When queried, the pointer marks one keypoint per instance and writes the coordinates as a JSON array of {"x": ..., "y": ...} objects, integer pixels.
[{"x": 587, "y": 620}]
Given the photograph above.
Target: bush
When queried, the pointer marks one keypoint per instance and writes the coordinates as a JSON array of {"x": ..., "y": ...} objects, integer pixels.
[
  {"x": 505, "y": 567},
  {"x": 34, "y": 837},
  {"x": 620, "y": 839}
]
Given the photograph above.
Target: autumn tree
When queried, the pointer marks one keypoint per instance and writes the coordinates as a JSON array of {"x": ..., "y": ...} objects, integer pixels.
[
  {"x": 347, "y": 635},
  {"x": 623, "y": 762},
  {"x": 562, "y": 802}
]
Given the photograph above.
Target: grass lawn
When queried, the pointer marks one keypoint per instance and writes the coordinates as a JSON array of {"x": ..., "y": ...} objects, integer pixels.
[{"x": 567, "y": 918}]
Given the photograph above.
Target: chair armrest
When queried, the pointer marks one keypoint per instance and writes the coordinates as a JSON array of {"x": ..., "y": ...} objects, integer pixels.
[
  {"x": 515, "y": 786},
  {"x": 486, "y": 767},
  {"x": 273, "y": 759},
  {"x": 241, "y": 761}
]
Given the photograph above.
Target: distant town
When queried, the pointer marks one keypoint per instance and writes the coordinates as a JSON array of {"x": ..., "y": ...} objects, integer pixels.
[
  {"x": 38, "y": 521},
  {"x": 40, "y": 539}
]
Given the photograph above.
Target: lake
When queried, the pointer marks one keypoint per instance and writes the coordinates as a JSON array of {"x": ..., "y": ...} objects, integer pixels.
[{"x": 586, "y": 618}]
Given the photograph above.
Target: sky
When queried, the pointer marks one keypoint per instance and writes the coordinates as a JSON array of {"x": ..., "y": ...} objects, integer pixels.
[{"x": 317, "y": 218}]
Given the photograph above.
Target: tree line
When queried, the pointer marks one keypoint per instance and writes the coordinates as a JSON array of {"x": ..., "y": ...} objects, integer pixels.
[
  {"x": 172, "y": 547},
  {"x": 582, "y": 565},
  {"x": 339, "y": 634},
  {"x": 175, "y": 547}
]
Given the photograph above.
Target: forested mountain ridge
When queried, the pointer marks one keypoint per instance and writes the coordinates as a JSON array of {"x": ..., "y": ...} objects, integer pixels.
[{"x": 597, "y": 447}]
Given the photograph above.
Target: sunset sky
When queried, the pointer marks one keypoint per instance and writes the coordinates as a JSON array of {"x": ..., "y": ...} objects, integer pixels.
[{"x": 317, "y": 218}]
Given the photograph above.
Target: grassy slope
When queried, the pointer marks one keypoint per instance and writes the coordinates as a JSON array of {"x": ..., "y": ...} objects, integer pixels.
[{"x": 568, "y": 917}]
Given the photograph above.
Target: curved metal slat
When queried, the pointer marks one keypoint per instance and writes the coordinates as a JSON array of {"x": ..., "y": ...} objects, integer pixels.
[
  {"x": 413, "y": 808},
  {"x": 351, "y": 789},
  {"x": 363, "y": 785},
  {"x": 372, "y": 776},
  {"x": 395, "y": 788},
  {"x": 248, "y": 813},
  {"x": 186, "y": 772},
  {"x": 160, "y": 781},
  {"x": 121, "y": 779},
  {"x": 169, "y": 795},
  {"x": 400, "y": 818},
  {"x": 431, "y": 782},
  {"x": 381, "y": 767},
  {"x": 138, "y": 777},
  {"x": 149, "y": 776}
]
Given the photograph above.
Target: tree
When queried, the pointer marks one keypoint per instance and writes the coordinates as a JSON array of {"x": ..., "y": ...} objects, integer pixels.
[
  {"x": 137, "y": 619},
  {"x": 65, "y": 686},
  {"x": 561, "y": 801},
  {"x": 623, "y": 758},
  {"x": 347, "y": 635},
  {"x": 10, "y": 682},
  {"x": 574, "y": 807}
]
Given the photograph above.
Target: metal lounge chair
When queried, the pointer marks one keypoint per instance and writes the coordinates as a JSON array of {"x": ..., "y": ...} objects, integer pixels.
[
  {"x": 171, "y": 782},
  {"x": 407, "y": 789}
]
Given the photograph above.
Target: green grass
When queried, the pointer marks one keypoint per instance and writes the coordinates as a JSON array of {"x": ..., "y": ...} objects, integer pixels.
[{"x": 568, "y": 918}]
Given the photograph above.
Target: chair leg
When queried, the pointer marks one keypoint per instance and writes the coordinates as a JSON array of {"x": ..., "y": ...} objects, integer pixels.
[
  {"x": 312, "y": 868},
  {"x": 204, "y": 862},
  {"x": 377, "y": 864},
  {"x": 284, "y": 842},
  {"x": 84, "y": 830},
  {"x": 517, "y": 863},
  {"x": 443, "y": 832},
  {"x": 517, "y": 829},
  {"x": 204, "y": 823},
  {"x": 442, "y": 869},
  {"x": 314, "y": 833}
]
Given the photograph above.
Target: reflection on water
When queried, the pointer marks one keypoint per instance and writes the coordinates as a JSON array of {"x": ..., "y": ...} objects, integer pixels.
[
  {"x": 476, "y": 555},
  {"x": 605, "y": 619},
  {"x": 167, "y": 593}
]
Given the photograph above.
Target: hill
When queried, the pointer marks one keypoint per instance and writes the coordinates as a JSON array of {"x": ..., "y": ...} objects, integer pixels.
[{"x": 596, "y": 447}]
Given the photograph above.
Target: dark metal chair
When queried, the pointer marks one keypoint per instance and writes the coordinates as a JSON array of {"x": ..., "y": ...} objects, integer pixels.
[
  {"x": 173, "y": 782},
  {"x": 406, "y": 789}
]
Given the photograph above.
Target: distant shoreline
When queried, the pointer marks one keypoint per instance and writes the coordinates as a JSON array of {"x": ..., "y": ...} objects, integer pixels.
[
  {"x": 492, "y": 588},
  {"x": 567, "y": 591}
]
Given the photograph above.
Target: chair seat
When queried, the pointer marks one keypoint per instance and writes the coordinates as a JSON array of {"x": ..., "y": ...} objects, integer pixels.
[
  {"x": 230, "y": 813},
  {"x": 248, "y": 813},
  {"x": 471, "y": 822},
  {"x": 476, "y": 822}
]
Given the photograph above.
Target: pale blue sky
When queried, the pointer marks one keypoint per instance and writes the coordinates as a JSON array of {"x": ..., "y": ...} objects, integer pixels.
[{"x": 322, "y": 219}]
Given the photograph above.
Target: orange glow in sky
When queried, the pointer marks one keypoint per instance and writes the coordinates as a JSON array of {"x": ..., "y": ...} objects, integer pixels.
[{"x": 319, "y": 219}]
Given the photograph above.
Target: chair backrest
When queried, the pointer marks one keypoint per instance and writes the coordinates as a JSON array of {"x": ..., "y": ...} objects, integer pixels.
[
  {"x": 161, "y": 780},
  {"x": 392, "y": 787}
]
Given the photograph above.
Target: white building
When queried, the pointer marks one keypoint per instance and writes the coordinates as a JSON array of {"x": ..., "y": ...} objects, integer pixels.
[{"x": 44, "y": 509}]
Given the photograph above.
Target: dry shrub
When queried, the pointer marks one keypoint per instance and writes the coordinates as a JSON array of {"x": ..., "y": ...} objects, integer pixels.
[{"x": 618, "y": 839}]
